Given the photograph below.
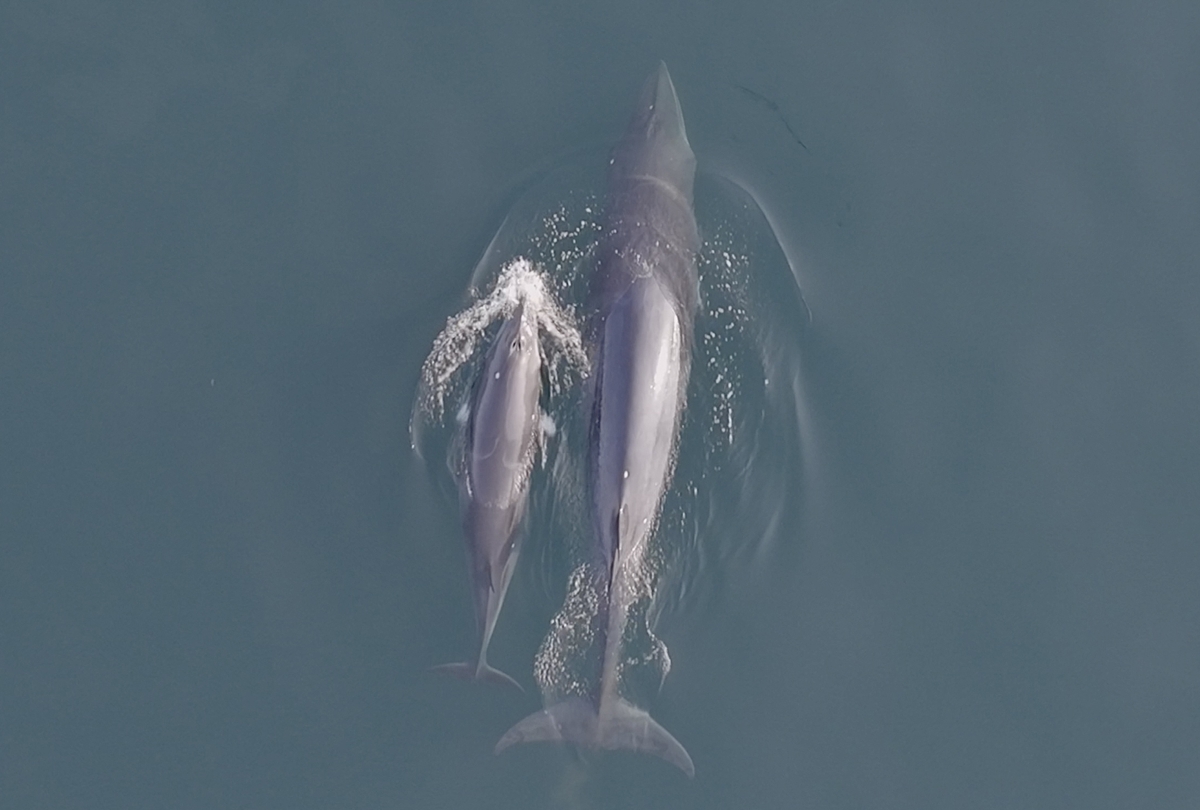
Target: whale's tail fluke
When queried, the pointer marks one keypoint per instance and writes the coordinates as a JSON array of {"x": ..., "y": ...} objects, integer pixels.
[
  {"x": 620, "y": 725},
  {"x": 477, "y": 672}
]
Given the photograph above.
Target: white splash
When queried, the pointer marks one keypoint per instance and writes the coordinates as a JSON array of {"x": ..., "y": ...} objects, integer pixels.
[
  {"x": 520, "y": 281},
  {"x": 560, "y": 667}
]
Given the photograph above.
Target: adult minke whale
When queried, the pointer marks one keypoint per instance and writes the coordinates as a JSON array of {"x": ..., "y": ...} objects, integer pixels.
[
  {"x": 502, "y": 430},
  {"x": 645, "y": 293}
]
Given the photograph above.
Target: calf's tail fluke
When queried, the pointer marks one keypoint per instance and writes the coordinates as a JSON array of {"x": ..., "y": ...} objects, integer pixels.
[
  {"x": 621, "y": 726},
  {"x": 477, "y": 672}
]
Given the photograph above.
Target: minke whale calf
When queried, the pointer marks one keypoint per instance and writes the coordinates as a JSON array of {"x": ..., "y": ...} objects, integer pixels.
[
  {"x": 645, "y": 292},
  {"x": 502, "y": 433}
]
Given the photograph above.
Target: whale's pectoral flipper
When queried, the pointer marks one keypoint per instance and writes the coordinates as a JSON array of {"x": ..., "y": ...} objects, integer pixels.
[{"x": 623, "y": 726}]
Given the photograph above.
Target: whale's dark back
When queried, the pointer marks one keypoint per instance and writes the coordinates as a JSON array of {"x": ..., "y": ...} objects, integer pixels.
[{"x": 650, "y": 227}]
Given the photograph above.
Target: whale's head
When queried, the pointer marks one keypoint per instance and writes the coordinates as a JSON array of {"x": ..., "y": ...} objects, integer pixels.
[{"x": 655, "y": 143}]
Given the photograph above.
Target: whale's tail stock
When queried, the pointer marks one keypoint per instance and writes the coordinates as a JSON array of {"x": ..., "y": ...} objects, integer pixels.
[{"x": 619, "y": 725}]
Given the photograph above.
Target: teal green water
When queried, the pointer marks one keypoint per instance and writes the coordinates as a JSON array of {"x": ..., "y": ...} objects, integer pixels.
[{"x": 950, "y": 562}]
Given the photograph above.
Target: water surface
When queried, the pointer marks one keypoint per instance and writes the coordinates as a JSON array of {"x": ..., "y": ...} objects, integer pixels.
[{"x": 961, "y": 574}]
